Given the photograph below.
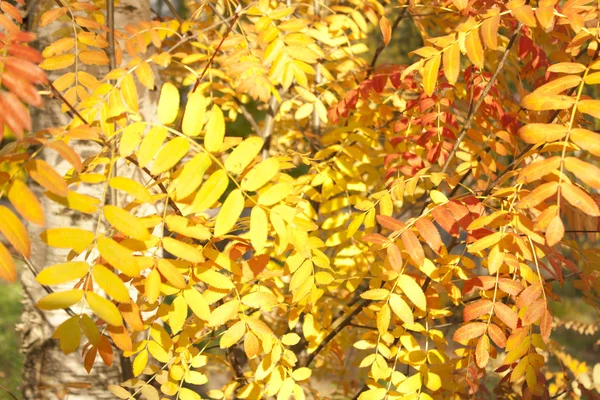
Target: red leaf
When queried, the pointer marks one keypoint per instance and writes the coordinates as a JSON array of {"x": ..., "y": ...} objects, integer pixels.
[
  {"x": 482, "y": 282},
  {"x": 445, "y": 220},
  {"x": 477, "y": 309},
  {"x": 469, "y": 331}
]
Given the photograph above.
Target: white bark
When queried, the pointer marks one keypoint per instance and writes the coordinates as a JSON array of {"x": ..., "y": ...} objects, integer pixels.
[{"x": 47, "y": 370}]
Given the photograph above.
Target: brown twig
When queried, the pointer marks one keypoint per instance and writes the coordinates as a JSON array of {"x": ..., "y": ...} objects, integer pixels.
[
  {"x": 110, "y": 22},
  {"x": 382, "y": 45},
  {"x": 173, "y": 10}
]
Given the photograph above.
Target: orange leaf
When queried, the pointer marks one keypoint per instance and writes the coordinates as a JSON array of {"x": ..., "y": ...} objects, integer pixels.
[
  {"x": 413, "y": 247},
  {"x": 26, "y": 203},
  {"x": 477, "y": 309},
  {"x": 497, "y": 335},
  {"x": 386, "y": 29},
  {"x": 482, "y": 351},
  {"x": 546, "y": 325},
  {"x": 538, "y": 169},
  {"x": 8, "y": 271},
  {"x": 430, "y": 233},
  {"x": 542, "y": 102},
  {"x": 395, "y": 257},
  {"x": 391, "y": 223},
  {"x": 41, "y": 172},
  {"x": 534, "y": 312},
  {"x": 509, "y": 286},
  {"x": 586, "y": 139},
  {"x": 590, "y": 107},
  {"x": 93, "y": 57},
  {"x": 375, "y": 238},
  {"x": 541, "y": 133},
  {"x": 588, "y": 173},
  {"x": 555, "y": 231},
  {"x": 529, "y": 295},
  {"x": 558, "y": 85},
  {"x": 52, "y": 15},
  {"x": 545, "y": 16},
  {"x": 506, "y": 314},
  {"x": 14, "y": 231},
  {"x": 539, "y": 194},
  {"x": 469, "y": 331},
  {"x": 580, "y": 199}
]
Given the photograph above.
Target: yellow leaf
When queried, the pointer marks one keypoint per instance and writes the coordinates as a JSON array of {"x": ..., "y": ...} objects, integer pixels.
[
  {"x": 76, "y": 201},
  {"x": 259, "y": 226},
  {"x": 251, "y": 345},
  {"x": 182, "y": 250},
  {"x": 184, "y": 227},
  {"x": 8, "y": 271},
  {"x": 224, "y": 313},
  {"x": 145, "y": 75},
  {"x": 215, "y": 130},
  {"x": 151, "y": 144},
  {"x": 542, "y": 102},
  {"x": 413, "y": 291},
  {"x": 229, "y": 213},
  {"x": 14, "y": 231},
  {"x": 68, "y": 238},
  {"x": 111, "y": 284},
  {"x": 197, "y": 303},
  {"x": 191, "y": 175},
  {"x": 25, "y": 202},
  {"x": 140, "y": 362},
  {"x": 104, "y": 308},
  {"x": 131, "y": 187},
  {"x": 126, "y": 223},
  {"x": 485, "y": 242},
  {"x": 232, "y": 335},
  {"x": 93, "y": 57},
  {"x": 401, "y": 309},
  {"x": 194, "y": 115},
  {"x": 58, "y": 300},
  {"x": 152, "y": 286},
  {"x": 383, "y": 319},
  {"x": 131, "y": 138},
  {"x": 590, "y": 107},
  {"x": 587, "y": 140},
  {"x": 579, "y": 198},
  {"x": 451, "y": 60},
  {"x": 275, "y": 194},
  {"x": 430, "y": 74},
  {"x": 170, "y": 272},
  {"x": 260, "y": 175},
  {"x": 168, "y": 103},
  {"x": 69, "y": 334},
  {"x": 260, "y": 299},
  {"x": 170, "y": 154},
  {"x": 59, "y": 62},
  {"x": 489, "y": 31},
  {"x": 211, "y": 191},
  {"x": 410, "y": 384},
  {"x": 118, "y": 256},
  {"x": 41, "y": 172},
  {"x": 214, "y": 278},
  {"x": 474, "y": 48},
  {"x": 178, "y": 314},
  {"x": 243, "y": 155},
  {"x": 129, "y": 92},
  {"x": 187, "y": 394},
  {"x": 61, "y": 273}
]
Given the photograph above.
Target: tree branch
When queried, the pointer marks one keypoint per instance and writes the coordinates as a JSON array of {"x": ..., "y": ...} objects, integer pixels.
[
  {"x": 173, "y": 10},
  {"x": 382, "y": 45}
]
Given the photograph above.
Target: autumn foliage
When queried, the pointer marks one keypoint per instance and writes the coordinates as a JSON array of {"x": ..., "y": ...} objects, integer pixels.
[{"x": 408, "y": 222}]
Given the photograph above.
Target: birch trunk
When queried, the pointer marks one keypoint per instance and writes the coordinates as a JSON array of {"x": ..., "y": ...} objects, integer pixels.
[{"x": 48, "y": 373}]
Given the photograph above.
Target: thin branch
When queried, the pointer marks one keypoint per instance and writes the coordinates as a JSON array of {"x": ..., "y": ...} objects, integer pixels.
[
  {"x": 338, "y": 325},
  {"x": 59, "y": 95},
  {"x": 173, "y": 10},
  {"x": 488, "y": 87},
  {"x": 110, "y": 22},
  {"x": 382, "y": 45},
  {"x": 8, "y": 391}
]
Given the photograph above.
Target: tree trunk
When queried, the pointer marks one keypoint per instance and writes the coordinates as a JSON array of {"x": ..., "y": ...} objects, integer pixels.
[{"x": 48, "y": 373}]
